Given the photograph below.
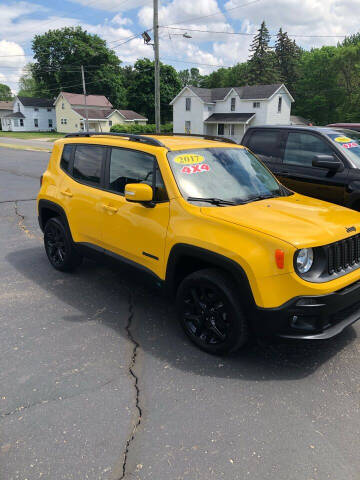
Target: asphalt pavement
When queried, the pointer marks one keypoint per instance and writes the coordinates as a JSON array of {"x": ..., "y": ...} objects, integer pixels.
[{"x": 97, "y": 381}]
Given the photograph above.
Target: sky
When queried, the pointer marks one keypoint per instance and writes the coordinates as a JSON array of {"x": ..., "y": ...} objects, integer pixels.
[{"x": 312, "y": 23}]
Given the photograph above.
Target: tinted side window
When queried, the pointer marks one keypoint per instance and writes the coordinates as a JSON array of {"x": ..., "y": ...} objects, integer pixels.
[
  {"x": 301, "y": 148},
  {"x": 265, "y": 144},
  {"x": 131, "y": 166},
  {"x": 65, "y": 158},
  {"x": 88, "y": 162}
]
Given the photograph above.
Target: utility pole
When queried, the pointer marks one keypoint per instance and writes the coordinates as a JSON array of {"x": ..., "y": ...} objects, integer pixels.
[
  {"x": 157, "y": 65},
  {"x": 84, "y": 92}
]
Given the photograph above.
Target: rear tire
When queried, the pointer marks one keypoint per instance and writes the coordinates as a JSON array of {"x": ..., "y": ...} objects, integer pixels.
[
  {"x": 210, "y": 313},
  {"x": 59, "y": 247}
]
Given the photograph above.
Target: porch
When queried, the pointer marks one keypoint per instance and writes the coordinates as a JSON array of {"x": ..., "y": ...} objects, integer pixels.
[{"x": 230, "y": 125}]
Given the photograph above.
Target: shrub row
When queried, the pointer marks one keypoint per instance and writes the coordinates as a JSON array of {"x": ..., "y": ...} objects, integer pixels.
[{"x": 137, "y": 129}]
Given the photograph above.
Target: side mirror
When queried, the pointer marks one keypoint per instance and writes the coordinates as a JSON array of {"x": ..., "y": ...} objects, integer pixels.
[
  {"x": 138, "y": 192},
  {"x": 327, "y": 161}
]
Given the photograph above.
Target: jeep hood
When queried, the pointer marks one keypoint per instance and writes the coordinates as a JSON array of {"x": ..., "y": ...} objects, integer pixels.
[{"x": 299, "y": 220}]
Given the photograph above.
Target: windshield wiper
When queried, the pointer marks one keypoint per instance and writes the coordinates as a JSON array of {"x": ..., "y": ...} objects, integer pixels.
[
  {"x": 261, "y": 197},
  {"x": 213, "y": 201}
]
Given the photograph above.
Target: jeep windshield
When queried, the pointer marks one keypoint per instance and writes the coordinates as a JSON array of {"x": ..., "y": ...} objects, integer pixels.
[
  {"x": 222, "y": 176},
  {"x": 349, "y": 142}
]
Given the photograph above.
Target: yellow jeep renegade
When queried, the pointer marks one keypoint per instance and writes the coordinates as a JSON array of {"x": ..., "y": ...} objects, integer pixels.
[{"x": 210, "y": 223}]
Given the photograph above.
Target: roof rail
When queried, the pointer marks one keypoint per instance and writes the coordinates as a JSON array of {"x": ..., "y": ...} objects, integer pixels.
[
  {"x": 135, "y": 138},
  {"x": 205, "y": 136}
]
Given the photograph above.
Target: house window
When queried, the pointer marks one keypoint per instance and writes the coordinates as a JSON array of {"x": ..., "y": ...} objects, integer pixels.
[
  {"x": 63, "y": 106},
  {"x": 188, "y": 104},
  {"x": 210, "y": 108},
  {"x": 16, "y": 122},
  {"x": 256, "y": 104},
  {"x": 221, "y": 129},
  {"x": 279, "y": 104},
  {"x": 49, "y": 109},
  {"x": 187, "y": 126},
  {"x": 36, "y": 109},
  {"x": 21, "y": 122},
  {"x": 232, "y": 129},
  {"x": 63, "y": 121},
  {"x": 50, "y": 123},
  {"x": 36, "y": 122},
  {"x": 110, "y": 123},
  {"x": 18, "y": 107},
  {"x": 233, "y": 103}
]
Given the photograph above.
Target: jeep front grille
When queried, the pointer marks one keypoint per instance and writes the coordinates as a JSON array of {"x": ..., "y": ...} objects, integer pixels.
[{"x": 343, "y": 254}]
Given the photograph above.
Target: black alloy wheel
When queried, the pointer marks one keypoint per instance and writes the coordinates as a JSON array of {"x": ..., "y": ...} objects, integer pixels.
[
  {"x": 210, "y": 313},
  {"x": 59, "y": 248}
]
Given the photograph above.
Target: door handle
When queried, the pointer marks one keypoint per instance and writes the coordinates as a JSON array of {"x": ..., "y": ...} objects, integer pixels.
[
  {"x": 67, "y": 193},
  {"x": 109, "y": 208}
]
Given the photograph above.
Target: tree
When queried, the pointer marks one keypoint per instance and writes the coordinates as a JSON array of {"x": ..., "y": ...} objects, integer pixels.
[
  {"x": 190, "y": 77},
  {"x": 287, "y": 56},
  {"x": 58, "y": 56},
  {"x": 262, "y": 64},
  {"x": 5, "y": 92},
  {"x": 318, "y": 93},
  {"x": 140, "y": 92},
  {"x": 27, "y": 83}
]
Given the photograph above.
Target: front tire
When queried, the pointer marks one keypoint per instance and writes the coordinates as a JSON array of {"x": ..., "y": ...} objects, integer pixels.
[
  {"x": 60, "y": 250},
  {"x": 210, "y": 312}
]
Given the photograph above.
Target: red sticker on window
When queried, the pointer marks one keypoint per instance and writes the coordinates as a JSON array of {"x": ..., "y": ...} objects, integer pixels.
[
  {"x": 350, "y": 145},
  {"x": 196, "y": 168}
]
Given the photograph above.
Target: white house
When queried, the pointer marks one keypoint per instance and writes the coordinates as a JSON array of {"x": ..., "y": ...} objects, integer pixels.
[
  {"x": 229, "y": 111},
  {"x": 30, "y": 115}
]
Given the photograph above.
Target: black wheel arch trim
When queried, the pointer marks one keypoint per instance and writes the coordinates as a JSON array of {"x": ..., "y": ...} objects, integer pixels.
[
  {"x": 55, "y": 207},
  {"x": 183, "y": 250}
]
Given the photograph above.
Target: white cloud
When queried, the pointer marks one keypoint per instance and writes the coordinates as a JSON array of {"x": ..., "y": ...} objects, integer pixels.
[
  {"x": 112, "y": 5},
  {"x": 11, "y": 66}
]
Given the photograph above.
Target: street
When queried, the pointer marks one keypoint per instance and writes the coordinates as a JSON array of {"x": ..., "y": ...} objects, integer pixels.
[{"x": 97, "y": 380}]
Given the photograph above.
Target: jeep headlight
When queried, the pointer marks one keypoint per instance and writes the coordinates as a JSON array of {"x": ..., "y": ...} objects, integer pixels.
[{"x": 304, "y": 259}]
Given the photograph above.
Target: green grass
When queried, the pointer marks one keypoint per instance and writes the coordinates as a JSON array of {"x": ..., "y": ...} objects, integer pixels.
[{"x": 31, "y": 135}]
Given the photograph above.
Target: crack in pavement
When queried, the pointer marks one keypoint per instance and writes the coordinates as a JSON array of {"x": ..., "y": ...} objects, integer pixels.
[
  {"x": 51, "y": 400},
  {"x": 21, "y": 221},
  {"x": 132, "y": 364},
  {"x": 20, "y": 200}
]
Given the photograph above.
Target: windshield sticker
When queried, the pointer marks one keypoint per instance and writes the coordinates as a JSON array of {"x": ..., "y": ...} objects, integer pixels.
[
  {"x": 342, "y": 139},
  {"x": 190, "y": 169},
  {"x": 189, "y": 159},
  {"x": 350, "y": 145}
]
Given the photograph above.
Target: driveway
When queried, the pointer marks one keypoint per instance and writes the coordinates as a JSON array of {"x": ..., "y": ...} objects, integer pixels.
[{"x": 97, "y": 380}]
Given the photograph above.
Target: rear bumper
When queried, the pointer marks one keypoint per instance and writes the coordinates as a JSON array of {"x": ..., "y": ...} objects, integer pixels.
[{"x": 311, "y": 317}]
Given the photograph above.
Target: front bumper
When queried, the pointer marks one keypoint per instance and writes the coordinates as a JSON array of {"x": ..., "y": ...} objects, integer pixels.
[{"x": 311, "y": 317}]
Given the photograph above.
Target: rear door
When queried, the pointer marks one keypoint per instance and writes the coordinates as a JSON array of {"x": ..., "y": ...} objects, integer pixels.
[
  {"x": 298, "y": 174},
  {"x": 266, "y": 144},
  {"x": 80, "y": 190}
]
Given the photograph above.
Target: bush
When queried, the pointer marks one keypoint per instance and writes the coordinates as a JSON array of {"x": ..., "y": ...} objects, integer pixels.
[{"x": 138, "y": 129}]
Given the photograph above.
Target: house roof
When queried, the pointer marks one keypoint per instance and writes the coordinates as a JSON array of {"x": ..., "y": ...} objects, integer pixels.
[
  {"x": 248, "y": 92},
  {"x": 131, "y": 115},
  {"x": 103, "y": 114},
  {"x": 6, "y": 105},
  {"x": 230, "y": 117},
  {"x": 91, "y": 100},
  {"x": 14, "y": 115},
  {"x": 36, "y": 102}
]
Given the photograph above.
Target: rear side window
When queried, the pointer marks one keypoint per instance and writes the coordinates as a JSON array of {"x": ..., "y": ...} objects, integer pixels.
[
  {"x": 131, "y": 166},
  {"x": 88, "y": 161},
  {"x": 301, "y": 148},
  {"x": 265, "y": 143},
  {"x": 65, "y": 158}
]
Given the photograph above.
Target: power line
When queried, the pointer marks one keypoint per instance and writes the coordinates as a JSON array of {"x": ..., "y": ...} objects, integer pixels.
[
  {"x": 252, "y": 34},
  {"x": 196, "y": 63}
]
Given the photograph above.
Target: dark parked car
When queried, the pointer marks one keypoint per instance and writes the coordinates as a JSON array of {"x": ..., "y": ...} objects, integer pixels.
[
  {"x": 320, "y": 162},
  {"x": 350, "y": 126}
]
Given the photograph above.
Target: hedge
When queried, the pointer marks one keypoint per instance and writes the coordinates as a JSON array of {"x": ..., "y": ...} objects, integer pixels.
[{"x": 137, "y": 128}]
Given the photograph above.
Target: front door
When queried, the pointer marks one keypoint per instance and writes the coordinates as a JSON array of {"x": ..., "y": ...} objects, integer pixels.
[
  {"x": 298, "y": 173},
  {"x": 132, "y": 230}
]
